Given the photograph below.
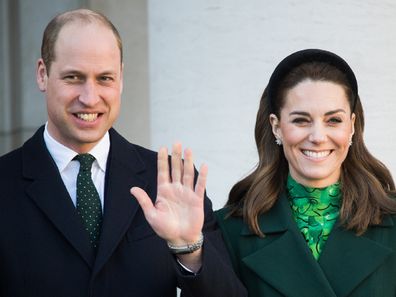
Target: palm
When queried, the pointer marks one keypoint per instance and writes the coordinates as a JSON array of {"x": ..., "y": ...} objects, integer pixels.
[
  {"x": 178, "y": 208},
  {"x": 177, "y": 215}
]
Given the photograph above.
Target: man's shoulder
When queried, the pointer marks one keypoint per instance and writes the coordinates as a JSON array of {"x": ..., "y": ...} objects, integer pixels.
[
  {"x": 145, "y": 151},
  {"x": 121, "y": 146},
  {"x": 10, "y": 157},
  {"x": 11, "y": 162},
  {"x": 11, "y": 166}
]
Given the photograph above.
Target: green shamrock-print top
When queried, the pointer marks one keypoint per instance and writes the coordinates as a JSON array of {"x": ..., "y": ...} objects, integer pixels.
[{"x": 315, "y": 211}]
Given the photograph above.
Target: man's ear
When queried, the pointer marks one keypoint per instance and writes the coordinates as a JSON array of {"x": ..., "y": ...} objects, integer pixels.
[
  {"x": 274, "y": 121},
  {"x": 122, "y": 77},
  {"x": 41, "y": 75}
]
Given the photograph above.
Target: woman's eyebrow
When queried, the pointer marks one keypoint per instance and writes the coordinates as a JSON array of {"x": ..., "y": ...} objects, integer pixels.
[{"x": 335, "y": 111}]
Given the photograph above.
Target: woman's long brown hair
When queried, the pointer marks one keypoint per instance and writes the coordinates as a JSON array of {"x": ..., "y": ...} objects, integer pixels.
[{"x": 368, "y": 189}]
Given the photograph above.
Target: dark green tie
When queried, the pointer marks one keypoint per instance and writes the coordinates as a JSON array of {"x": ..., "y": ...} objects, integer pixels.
[{"x": 88, "y": 201}]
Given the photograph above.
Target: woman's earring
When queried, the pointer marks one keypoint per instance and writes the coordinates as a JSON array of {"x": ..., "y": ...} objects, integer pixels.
[
  {"x": 278, "y": 141},
  {"x": 350, "y": 141}
]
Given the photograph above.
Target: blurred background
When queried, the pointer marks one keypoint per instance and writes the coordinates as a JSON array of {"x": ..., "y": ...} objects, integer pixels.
[{"x": 195, "y": 70}]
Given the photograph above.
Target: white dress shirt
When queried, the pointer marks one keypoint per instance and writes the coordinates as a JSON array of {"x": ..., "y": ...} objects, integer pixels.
[{"x": 68, "y": 168}]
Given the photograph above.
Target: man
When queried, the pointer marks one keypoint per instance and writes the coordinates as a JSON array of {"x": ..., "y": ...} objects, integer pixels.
[{"x": 69, "y": 225}]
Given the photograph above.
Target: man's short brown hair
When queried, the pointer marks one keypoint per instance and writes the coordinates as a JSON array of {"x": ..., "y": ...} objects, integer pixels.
[{"x": 53, "y": 28}]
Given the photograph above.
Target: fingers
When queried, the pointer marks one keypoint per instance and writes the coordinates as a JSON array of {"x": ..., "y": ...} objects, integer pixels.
[
  {"x": 201, "y": 182},
  {"x": 182, "y": 172},
  {"x": 177, "y": 166},
  {"x": 188, "y": 175},
  {"x": 145, "y": 202},
  {"x": 163, "y": 166}
]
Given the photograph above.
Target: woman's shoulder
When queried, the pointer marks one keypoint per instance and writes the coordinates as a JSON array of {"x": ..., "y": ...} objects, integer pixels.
[
  {"x": 222, "y": 213},
  {"x": 228, "y": 222}
]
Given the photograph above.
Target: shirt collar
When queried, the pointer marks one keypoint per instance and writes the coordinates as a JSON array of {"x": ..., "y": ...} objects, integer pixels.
[
  {"x": 63, "y": 155},
  {"x": 101, "y": 151}
]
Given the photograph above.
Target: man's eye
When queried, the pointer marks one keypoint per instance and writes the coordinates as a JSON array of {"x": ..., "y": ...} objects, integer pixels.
[
  {"x": 106, "y": 78},
  {"x": 72, "y": 77}
]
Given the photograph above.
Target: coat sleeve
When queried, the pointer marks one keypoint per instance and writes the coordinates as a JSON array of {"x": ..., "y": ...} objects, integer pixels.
[{"x": 216, "y": 277}]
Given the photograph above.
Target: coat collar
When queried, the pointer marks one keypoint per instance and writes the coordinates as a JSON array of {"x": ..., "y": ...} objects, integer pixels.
[
  {"x": 47, "y": 190},
  {"x": 347, "y": 259},
  {"x": 125, "y": 168},
  {"x": 283, "y": 259}
]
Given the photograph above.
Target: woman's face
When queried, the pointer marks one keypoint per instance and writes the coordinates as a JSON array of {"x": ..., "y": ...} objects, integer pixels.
[{"x": 316, "y": 128}]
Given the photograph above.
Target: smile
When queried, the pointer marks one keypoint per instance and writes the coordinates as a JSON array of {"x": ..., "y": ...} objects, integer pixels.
[
  {"x": 316, "y": 155},
  {"x": 88, "y": 117}
]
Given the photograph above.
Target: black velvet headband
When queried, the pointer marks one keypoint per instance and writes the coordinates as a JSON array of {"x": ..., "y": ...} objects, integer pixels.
[{"x": 306, "y": 56}]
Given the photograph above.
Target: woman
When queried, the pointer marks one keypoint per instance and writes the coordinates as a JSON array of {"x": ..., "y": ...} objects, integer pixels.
[{"x": 317, "y": 215}]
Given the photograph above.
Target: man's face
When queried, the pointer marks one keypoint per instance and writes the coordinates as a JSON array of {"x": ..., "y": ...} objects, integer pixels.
[{"x": 83, "y": 88}]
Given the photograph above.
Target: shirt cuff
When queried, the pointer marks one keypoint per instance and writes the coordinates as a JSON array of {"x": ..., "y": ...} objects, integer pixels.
[{"x": 186, "y": 270}]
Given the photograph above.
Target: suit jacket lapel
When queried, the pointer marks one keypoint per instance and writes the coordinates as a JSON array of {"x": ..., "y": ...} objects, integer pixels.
[
  {"x": 348, "y": 259},
  {"x": 125, "y": 169},
  {"x": 47, "y": 190},
  {"x": 283, "y": 259}
]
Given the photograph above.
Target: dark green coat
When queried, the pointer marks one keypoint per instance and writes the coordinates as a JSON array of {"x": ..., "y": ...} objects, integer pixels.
[{"x": 281, "y": 264}]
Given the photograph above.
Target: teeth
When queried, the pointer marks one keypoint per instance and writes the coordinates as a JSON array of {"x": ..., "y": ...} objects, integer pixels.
[
  {"x": 318, "y": 155},
  {"x": 89, "y": 117}
]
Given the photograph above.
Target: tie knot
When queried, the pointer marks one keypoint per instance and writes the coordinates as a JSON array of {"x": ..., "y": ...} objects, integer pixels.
[{"x": 85, "y": 160}]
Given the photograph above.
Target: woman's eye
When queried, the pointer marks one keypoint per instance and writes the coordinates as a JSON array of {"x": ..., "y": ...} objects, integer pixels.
[{"x": 335, "y": 120}]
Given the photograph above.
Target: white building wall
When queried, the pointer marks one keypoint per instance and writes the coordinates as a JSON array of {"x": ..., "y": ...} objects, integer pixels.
[
  {"x": 195, "y": 70},
  {"x": 211, "y": 59}
]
